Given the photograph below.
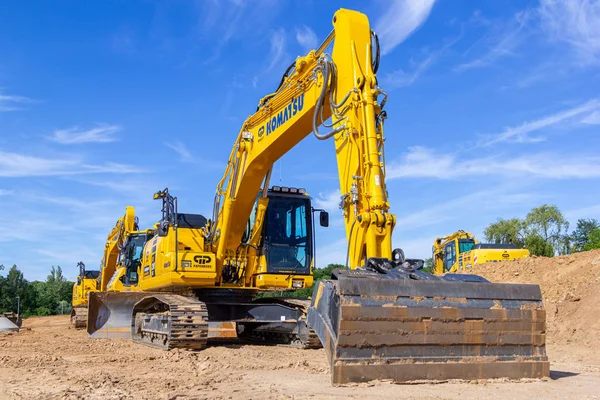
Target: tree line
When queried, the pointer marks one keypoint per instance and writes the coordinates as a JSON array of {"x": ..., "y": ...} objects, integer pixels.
[
  {"x": 544, "y": 232},
  {"x": 35, "y": 298}
]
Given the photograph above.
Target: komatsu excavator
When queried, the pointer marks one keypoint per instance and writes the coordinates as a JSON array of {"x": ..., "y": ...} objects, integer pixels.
[
  {"x": 87, "y": 282},
  {"x": 461, "y": 251},
  {"x": 381, "y": 318}
]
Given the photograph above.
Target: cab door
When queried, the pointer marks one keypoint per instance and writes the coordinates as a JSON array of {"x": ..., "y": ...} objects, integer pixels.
[{"x": 449, "y": 256}]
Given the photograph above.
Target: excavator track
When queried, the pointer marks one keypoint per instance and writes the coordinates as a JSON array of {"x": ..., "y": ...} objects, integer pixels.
[
  {"x": 79, "y": 317},
  {"x": 312, "y": 341},
  {"x": 170, "y": 322}
]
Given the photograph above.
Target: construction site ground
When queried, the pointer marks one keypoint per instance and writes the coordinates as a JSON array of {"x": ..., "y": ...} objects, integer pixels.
[{"x": 49, "y": 360}]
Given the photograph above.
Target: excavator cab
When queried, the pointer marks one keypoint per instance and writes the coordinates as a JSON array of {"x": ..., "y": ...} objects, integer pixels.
[
  {"x": 131, "y": 257},
  {"x": 288, "y": 236}
]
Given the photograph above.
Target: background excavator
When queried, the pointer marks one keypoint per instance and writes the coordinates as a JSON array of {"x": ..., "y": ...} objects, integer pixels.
[
  {"x": 381, "y": 318},
  {"x": 87, "y": 281},
  {"x": 461, "y": 251}
]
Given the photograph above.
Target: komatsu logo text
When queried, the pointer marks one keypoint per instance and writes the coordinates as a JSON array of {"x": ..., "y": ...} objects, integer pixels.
[{"x": 295, "y": 106}]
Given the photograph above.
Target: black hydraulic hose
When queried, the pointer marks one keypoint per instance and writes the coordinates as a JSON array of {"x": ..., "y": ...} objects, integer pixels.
[
  {"x": 349, "y": 243},
  {"x": 285, "y": 75}
]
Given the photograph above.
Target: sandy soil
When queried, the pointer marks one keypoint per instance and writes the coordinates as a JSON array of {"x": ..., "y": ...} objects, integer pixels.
[{"x": 51, "y": 361}]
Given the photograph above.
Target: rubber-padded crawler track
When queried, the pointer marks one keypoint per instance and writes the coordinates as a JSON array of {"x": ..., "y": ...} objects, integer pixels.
[{"x": 170, "y": 322}]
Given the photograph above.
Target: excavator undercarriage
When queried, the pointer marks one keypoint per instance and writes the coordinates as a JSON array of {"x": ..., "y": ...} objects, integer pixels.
[{"x": 168, "y": 321}]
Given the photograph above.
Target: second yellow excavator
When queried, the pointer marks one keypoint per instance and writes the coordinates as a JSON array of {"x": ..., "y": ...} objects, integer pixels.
[
  {"x": 460, "y": 251},
  {"x": 87, "y": 282},
  {"x": 380, "y": 318}
]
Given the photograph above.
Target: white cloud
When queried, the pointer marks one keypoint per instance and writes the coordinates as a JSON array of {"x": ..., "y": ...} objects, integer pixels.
[
  {"x": 414, "y": 248},
  {"x": 455, "y": 209},
  {"x": 575, "y": 22},
  {"x": 584, "y": 212},
  {"x": 15, "y": 165},
  {"x": 182, "y": 150},
  {"x": 332, "y": 253},
  {"x": 421, "y": 162},
  {"x": 101, "y": 134},
  {"x": 234, "y": 20},
  {"x": 402, "y": 78},
  {"x": 519, "y": 133},
  {"x": 328, "y": 201},
  {"x": 400, "y": 20},
  {"x": 499, "y": 42},
  {"x": 13, "y": 103},
  {"x": 306, "y": 38},
  {"x": 277, "y": 48},
  {"x": 592, "y": 119},
  {"x": 4, "y": 192}
]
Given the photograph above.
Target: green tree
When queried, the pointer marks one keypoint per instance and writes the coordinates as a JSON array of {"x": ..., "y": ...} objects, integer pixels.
[
  {"x": 428, "y": 267},
  {"x": 538, "y": 246},
  {"x": 547, "y": 222},
  {"x": 13, "y": 285},
  {"x": 580, "y": 237},
  {"x": 593, "y": 240},
  {"x": 506, "y": 231}
]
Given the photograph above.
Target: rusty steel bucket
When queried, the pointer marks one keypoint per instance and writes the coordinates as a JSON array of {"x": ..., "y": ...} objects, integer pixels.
[
  {"x": 110, "y": 316},
  {"x": 375, "y": 326}
]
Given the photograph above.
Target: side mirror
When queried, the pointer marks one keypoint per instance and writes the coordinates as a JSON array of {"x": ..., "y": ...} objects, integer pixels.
[
  {"x": 163, "y": 229},
  {"x": 324, "y": 219}
]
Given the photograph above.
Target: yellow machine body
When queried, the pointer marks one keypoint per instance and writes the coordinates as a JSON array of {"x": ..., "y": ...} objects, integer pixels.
[{"x": 461, "y": 251}]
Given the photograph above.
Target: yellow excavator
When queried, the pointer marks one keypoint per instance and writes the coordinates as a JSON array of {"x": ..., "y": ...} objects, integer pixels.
[
  {"x": 461, "y": 251},
  {"x": 87, "y": 282},
  {"x": 381, "y": 317}
]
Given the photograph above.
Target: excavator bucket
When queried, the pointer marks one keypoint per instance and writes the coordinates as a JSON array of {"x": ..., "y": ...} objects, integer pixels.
[
  {"x": 109, "y": 316},
  {"x": 109, "y": 313},
  {"x": 395, "y": 327}
]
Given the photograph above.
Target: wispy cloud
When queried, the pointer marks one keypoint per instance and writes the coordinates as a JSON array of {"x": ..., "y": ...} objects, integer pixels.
[
  {"x": 13, "y": 103},
  {"x": 520, "y": 133},
  {"x": 5, "y": 192},
  {"x": 575, "y": 22},
  {"x": 277, "y": 48},
  {"x": 15, "y": 165},
  {"x": 232, "y": 19},
  {"x": 328, "y": 201},
  {"x": 500, "y": 41},
  {"x": 592, "y": 119},
  {"x": 401, "y": 78},
  {"x": 422, "y": 162},
  {"x": 182, "y": 150},
  {"x": 102, "y": 133},
  {"x": 400, "y": 20},
  {"x": 306, "y": 38},
  {"x": 452, "y": 209}
]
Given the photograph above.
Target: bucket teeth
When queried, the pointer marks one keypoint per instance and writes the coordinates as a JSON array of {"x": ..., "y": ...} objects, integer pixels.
[{"x": 406, "y": 330}]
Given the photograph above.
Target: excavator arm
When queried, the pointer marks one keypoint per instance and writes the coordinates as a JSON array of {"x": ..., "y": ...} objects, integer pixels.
[
  {"x": 315, "y": 88},
  {"x": 124, "y": 226}
]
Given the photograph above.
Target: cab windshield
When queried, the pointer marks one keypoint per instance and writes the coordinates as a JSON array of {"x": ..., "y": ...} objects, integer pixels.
[
  {"x": 465, "y": 245},
  {"x": 288, "y": 236}
]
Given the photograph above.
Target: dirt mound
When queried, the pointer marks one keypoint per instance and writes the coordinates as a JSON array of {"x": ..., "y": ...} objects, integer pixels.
[{"x": 570, "y": 287}]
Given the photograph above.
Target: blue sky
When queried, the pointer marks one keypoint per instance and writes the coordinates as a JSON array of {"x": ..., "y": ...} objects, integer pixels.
[{"x": 494, "y": 108}]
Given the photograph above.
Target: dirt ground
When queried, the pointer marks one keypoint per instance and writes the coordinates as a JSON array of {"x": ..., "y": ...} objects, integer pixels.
[{"x": 51, "y": 361}]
